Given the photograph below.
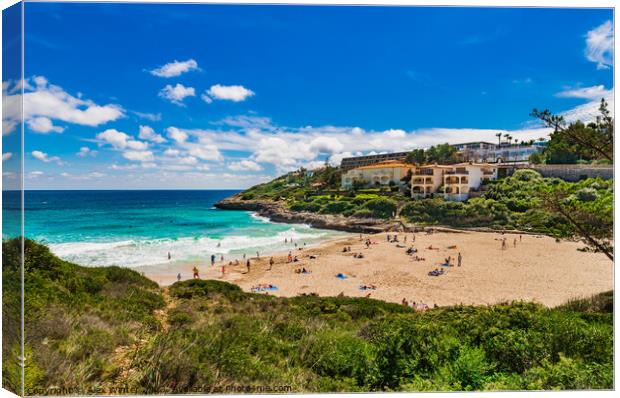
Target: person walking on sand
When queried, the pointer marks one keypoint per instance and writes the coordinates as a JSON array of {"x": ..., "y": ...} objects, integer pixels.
[
  {"x": 212, "y": 260},
  {"x": 222, "y": 258},
  {"x": 459, "y": 259},
  {"x": 223, "y": 269},
  {"x": 257, "y": 255},
  {"x": 271, "y": 263},
  {"x": 169, "y": 256},
  {"x": 247, "y": 265},
  {"x": 503, "y": 244},
  {"x": 244, "y": 256},
  {"x": 515, "y": 242},
  {"x": 179, "y": 276},
  {"x": 196, "y": 276}
]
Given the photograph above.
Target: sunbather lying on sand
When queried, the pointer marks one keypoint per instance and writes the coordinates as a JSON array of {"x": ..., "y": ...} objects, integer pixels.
[
  {"x": 436, "y": 272},
  {"x": 368, "y": 287}
]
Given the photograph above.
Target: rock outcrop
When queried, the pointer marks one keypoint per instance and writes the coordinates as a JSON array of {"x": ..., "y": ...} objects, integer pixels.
[{"x": 277, "y": 212}]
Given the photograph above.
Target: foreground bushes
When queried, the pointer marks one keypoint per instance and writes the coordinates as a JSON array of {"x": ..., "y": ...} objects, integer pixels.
[{"x": 347, "y": 344}]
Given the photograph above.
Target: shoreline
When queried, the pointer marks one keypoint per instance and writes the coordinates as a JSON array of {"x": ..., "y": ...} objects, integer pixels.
[
  {"x": 535, "y": 268},
  {"x": 276, "y": 212}
]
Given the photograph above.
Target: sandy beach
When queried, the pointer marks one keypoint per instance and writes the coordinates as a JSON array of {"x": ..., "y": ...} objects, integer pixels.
[{"x": 535, "y": 268}]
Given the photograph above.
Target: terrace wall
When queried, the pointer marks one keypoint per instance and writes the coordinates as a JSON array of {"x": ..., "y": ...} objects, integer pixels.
[{"x": 567, "y": 172}]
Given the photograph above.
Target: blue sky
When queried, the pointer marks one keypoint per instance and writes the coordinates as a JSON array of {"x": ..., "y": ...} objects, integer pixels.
[{"x": 204, "y": 96}]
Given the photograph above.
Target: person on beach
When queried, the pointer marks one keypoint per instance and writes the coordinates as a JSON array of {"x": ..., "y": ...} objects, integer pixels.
[
  {"x": 247, "y": 265},
  {"x": 212, "y": 260},
  {"x": 196, "y": 276},
  {"x": 405, "y": 240},
  {"x": 360, "y": 237},
  {"x": 404, "y": 302},
  {"x": 459, "y": 259},
  {"x": 169, "y": 256},
  {"x": 388, "y": 237},
  {"x": 223, "y": 270},
  {"x": 271, "y": 263},
  {"x": 285, "y": 240},
  {"x": 219, "y": 244},
  {"x": 244, "y": 256},
  {"x": 289, "y": 259},
  {"x": 520, "y": 238},
  {"x": 222, "y": 258},
  {"x": 503, "y": 244},
  {"x": 257, "y": 255},
  {"x": 179, "y": 276},
  {"x": 515, "y": 242}
]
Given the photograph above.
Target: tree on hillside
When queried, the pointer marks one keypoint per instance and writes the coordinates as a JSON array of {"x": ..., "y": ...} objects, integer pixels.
[
  {"x": 417, "y": 156},
  {"x": 588, "y": 212},
  {"x": 442, "y": 154},
  {"x": 593, "y": 141}
]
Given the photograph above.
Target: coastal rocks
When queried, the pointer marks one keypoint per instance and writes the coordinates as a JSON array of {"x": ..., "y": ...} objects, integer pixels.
[{"x": 276, "y": 212}]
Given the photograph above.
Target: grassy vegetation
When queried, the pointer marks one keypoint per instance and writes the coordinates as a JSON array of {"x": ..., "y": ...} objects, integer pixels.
[
  {"x": 102, "y": 326},
  {"x": 75, "y": 317},
  {"x": 508, "y": 203}
]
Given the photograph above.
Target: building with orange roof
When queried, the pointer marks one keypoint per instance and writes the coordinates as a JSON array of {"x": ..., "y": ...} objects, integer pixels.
[{"x": 390, "y": 172}]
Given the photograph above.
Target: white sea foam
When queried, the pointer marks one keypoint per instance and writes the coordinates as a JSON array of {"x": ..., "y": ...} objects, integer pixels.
[{"x": 135, "y": 253}]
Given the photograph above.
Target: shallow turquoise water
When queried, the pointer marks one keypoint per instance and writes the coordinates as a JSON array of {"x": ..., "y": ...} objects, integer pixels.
[{"x": 135, "y": 228}]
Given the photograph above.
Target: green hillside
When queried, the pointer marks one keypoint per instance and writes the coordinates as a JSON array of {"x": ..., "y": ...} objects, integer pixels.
[{"x": 101, "y": 328}]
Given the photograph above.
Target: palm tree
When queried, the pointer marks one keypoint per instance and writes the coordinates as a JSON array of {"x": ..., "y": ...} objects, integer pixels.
[{"x": 499, "y": 139}]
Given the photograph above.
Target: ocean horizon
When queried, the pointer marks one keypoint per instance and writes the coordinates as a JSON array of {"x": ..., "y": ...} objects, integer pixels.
[{"x": 134, "y": 228}]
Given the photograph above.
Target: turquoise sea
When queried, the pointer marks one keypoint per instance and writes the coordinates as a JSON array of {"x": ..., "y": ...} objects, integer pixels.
[{"x": 137, "y": 228}]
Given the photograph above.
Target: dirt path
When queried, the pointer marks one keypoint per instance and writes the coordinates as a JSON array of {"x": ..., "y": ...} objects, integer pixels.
[{"x": 125, "y": 356}]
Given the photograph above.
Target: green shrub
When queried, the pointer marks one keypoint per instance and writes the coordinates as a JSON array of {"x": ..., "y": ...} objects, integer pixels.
[{"x": 381, "y": 208}]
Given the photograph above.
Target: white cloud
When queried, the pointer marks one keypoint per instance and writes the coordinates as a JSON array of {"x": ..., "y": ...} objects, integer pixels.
[
  {"x": 6, "y": 156},
  {"x": 86, "y": 151},
  {"x": 43, "y": 125},
  {"x": 44, "y": 102},
  {"x": 172, "y": 152},
  {"x": 153, "y": 117},
  {"x": 325, "y": 144},
  {"x": 188, "y": 160},
  {"x": 147, "y": 133},
  {"x": 206, "y": 98},
  {"x": 175, "y": 68},
  {"x": 34, "y": 174},
  {"x": 230, "y": 93},
  {"x": 44, "y": 157},
  {"x": 591, "y": 93},
  {"x": 245, "y": 165},
  {"x": 205, "y": 152},
  {"x": 589, "y": 111},
  {"x": 177, "y": 94},
  {"x": 139, "y": 156},
  {"x": 120, "y": 140},
  {"x": 600, "y": 45},
  {"x": 176, "y": 134}
]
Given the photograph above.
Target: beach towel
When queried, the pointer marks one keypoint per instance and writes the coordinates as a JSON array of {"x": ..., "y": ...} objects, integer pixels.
[
  {"x": 264, "y": 288},
  {"x": 341, "y": 276}
]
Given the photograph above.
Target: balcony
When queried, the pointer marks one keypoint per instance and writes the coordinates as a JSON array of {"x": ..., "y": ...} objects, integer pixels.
[
  {"x": 423, "y": 172},
  {"x": 455, "y": 180},
  {"x": 456, "y": 172}
]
